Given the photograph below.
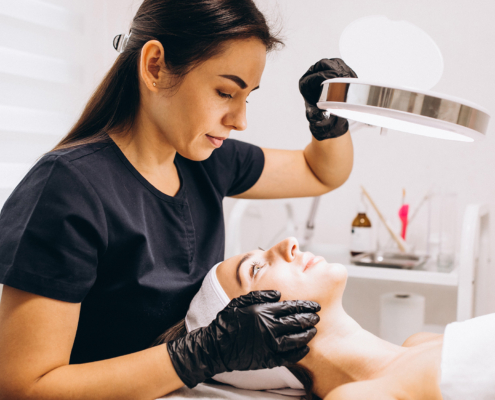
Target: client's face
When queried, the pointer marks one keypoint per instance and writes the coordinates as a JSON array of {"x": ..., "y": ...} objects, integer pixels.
[{"x": 297, "y": 275}]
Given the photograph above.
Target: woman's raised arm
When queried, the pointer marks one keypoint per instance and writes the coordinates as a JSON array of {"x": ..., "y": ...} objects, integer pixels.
[
  {"x": 326, "y": 163},
  {"x": 323, "y": 166},
  {"x": 36, "y": 338}
]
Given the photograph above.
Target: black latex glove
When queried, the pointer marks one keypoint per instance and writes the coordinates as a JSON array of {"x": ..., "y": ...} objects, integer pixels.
[
  {"x": 254, "y": 331},
  {"x": 321, "y": 126}
]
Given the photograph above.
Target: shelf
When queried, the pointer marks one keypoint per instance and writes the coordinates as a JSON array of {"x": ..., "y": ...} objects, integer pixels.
[
  {"x": 340, "y": 254},
  {"x": 402, "y": 275}
]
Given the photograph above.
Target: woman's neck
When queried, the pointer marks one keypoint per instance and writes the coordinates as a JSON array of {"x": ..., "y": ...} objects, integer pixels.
[
  {"x": 343, "y": 352},
  {"x": 150, "y": 153},
  {"x": 144, "y": 145}
]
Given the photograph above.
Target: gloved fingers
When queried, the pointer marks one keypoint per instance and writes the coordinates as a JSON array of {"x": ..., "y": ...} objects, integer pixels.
[
  {"x": 257, "y": 297},
  {"x": 325, "y": 126},
  {"x": 295, "y": 340},
  {"x": 294, "y": 323},
  {"x": 331, "y": 64},
  {"x": 293, "y": 356},
  {"x": 337, "y": 65},
  {"x": 310, "y": 87},
  {"x": 288, "y": 307},
  {"x": 314, "y": 114},
  {"x": 310, "y": 83}
]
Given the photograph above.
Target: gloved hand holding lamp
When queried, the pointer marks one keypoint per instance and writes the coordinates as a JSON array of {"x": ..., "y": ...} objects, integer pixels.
[
  {"x": 322, "y": 125},
  {"x": 254, "y": 331}
]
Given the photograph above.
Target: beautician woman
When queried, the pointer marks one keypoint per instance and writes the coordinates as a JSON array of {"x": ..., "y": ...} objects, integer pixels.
[{"x": 107, "y": 239}]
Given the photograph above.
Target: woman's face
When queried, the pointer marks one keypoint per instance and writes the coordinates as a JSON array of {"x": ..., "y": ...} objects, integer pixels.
[
  {"x": 211, "y": 100},
  {"x": 297, "y": 275}
]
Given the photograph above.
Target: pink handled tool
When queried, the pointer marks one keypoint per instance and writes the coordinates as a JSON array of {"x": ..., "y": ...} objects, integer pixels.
[{"x": 403, "y": 211}]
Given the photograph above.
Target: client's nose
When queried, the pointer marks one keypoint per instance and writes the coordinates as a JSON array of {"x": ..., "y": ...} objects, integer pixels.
[{"x": 289, "y": 248}]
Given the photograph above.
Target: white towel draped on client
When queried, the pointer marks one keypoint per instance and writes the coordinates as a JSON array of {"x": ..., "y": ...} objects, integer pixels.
[
  {"x": 206, "y": 391},
  {"x": 208, "y": 302},
  {"x": 468, "y": 360}
]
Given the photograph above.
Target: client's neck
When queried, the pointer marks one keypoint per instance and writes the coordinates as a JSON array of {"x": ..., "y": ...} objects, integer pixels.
[{"x": 343, "y": 352}]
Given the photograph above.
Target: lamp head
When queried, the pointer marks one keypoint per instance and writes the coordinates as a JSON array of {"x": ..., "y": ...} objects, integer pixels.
[{"x": 404, "y": 109}]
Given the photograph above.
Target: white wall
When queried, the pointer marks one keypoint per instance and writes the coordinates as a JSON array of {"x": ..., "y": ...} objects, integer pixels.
[{"x": 48, "y": 54}]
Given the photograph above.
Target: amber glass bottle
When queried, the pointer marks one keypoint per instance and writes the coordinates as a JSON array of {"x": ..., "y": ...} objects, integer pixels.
[{"x": 361, "y": 233}]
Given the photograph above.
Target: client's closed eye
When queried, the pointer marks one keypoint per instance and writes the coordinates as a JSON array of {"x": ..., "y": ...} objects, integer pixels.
[{"x": 255, "y": 268}]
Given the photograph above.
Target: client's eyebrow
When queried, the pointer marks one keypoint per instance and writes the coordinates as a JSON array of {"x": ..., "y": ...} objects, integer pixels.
[{"x": 243, "y": 259}]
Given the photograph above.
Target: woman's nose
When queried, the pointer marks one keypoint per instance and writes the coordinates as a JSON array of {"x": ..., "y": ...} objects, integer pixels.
[
  {"x": 289, "y": 248},
  {"x": 236, "y": 119}
]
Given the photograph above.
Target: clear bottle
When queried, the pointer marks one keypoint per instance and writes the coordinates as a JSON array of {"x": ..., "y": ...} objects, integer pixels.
[{"x": 361, "y": 240}]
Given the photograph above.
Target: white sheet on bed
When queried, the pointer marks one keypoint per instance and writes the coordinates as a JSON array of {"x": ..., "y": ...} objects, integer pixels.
[
  {"x": 468, "y": 360},
  {"x": 213, "y": 392}
]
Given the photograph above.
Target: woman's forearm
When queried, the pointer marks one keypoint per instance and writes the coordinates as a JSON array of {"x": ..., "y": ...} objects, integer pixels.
[
  {"x": 331, "y": 160},
  {"x": 146, "y": 375}
]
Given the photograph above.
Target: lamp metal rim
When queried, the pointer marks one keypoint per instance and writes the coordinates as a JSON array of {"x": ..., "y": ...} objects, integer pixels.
[{"x": 455, "y": 114}]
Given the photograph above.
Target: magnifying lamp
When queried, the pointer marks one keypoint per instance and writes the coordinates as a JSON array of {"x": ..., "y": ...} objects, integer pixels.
[{"x": 404, "y": 109}]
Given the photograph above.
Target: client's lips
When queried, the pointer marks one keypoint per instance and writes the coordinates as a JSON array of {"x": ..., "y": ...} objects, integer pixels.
[
  {"x": 216, "y": 141},
  {"x": 310, "y": 259}
]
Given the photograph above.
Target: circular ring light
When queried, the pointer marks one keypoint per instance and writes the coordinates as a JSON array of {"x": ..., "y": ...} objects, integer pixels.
[{"x": 404, "y": 109}]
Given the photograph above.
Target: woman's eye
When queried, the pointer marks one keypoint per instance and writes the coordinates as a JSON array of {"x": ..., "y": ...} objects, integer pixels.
[
  {"x": 256, "y": 266},
  {"x": 224, "y": 95}
]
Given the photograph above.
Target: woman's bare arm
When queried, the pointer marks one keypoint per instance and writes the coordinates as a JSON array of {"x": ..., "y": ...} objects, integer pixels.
[
  {"x": 321, "y": 167},
  {"x": 36, "y": 338}
]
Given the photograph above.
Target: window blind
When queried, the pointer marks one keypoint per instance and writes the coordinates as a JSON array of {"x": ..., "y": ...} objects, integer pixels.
[{"x": 42, "y": 85}]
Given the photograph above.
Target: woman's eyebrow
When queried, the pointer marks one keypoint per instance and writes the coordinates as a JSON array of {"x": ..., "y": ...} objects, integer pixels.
[
  {"x": 238, "y": 81},
  {"x": 243, "y": 259}
]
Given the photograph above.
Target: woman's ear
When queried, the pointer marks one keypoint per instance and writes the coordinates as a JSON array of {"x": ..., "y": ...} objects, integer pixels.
[{"x": 152, "y": 65}]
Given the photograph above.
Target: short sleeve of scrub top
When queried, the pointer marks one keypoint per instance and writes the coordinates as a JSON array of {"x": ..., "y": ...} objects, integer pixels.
[
  {"x": 84, "y": 226},
  {"x": 52, "y": 232}
]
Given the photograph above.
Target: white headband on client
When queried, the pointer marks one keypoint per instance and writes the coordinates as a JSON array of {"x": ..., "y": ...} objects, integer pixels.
[{"x": 208, "y": 302}]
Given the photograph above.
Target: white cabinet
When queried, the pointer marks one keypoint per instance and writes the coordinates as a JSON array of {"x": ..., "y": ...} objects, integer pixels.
[{"x": 468, "y": 278}]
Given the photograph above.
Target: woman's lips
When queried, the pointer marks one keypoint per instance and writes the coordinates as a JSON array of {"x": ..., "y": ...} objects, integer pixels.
[
  {"x": 215, "y": 141},
  {"x": 312, "y": 260}
]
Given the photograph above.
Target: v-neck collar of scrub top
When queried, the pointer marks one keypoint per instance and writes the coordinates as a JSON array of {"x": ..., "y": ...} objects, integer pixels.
[{"x": 179, "y": 198}]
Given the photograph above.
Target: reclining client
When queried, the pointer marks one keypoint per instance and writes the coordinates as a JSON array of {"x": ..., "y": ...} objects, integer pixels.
[{"x": 345, "y": 361}]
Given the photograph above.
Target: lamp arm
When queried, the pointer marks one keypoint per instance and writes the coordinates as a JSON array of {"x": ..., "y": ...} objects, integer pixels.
[{"x": 310, "y": 223}]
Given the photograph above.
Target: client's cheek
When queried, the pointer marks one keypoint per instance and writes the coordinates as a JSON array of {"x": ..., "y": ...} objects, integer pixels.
[
  {"x": 293, "y": 291},
  {"x": 268, "y": 283}
]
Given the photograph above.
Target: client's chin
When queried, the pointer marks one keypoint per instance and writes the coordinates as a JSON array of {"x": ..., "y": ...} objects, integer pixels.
[
  {"x": 331, "y": 282},
  {"x": 338, "y": 269},
  {"x": 335, "y": 272}
]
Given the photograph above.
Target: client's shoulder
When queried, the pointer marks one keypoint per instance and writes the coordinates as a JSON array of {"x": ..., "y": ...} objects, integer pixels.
[
  {"x": 421, "y": 338},
  {"x": 369, "y": 390}
]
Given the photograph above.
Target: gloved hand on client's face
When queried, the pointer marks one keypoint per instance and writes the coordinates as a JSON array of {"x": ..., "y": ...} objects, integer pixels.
[
  {"x": 321, "y": 126},
  {"x": 254, "y": 331}
]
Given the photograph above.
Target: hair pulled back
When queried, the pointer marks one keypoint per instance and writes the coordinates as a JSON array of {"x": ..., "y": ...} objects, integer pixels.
[{"x": 191, "y": 32}]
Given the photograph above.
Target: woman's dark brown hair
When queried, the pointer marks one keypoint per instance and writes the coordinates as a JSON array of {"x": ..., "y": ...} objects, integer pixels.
[
  {"x": 191, "y": 32},
  {"x": 301, "y": 373}
]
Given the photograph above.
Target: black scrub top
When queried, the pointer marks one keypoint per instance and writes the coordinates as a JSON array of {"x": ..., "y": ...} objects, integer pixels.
[{"x": 84, "y": 226}]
